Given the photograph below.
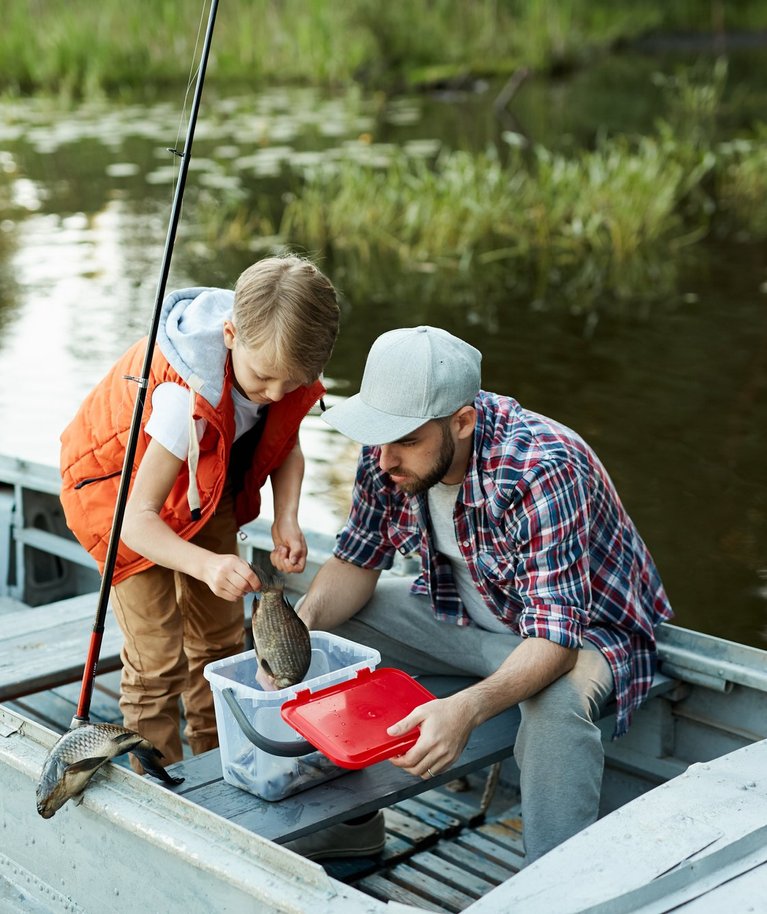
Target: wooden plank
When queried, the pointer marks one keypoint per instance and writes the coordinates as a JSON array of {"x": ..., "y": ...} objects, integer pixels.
[
  {"x": 472, "y": 861},
  {"x": 509, "y": 838},
  {"x": 408, "y": 827},
  {"x": 466, "y": 814},
  {"x": 498, "y": 853},
  {"x": 45, "y": 708},
  {"x": 46, "y": 619},
  {"x": 103, "y": 706},
  {"x": 511, "y": 819},
  {"x": 446, "y": 824},
  {"x": 433, "y": 890},
  {"x": 395, "y": 849},
  {"x": 385, "y": 890},
  {"x": 451, "y": 874},
  {"x": 42, "y": 647}
]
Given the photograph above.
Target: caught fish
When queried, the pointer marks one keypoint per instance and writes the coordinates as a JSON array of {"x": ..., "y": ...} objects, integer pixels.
[
  {"x": 80, "y": 752},
  {"x": 281, "y": 639}
]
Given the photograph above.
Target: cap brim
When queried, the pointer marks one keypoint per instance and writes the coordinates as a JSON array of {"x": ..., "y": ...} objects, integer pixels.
[{"x": 369, "y": 425}]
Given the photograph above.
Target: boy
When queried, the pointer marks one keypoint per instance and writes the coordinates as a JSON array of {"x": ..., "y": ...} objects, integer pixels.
[{"x": 232, "y": 376}]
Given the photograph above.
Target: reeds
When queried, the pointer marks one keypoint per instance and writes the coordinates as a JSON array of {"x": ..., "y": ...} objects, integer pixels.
[
  {"x": 591, "y": 225},
  {"x": 78, "y": 47}
]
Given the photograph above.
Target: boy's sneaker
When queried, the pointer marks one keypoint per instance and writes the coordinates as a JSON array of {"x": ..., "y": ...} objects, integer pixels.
[{"x": 363, "y": 839}]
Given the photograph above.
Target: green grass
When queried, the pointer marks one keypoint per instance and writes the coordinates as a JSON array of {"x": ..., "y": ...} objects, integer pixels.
[{"x": 76, "y": 47}]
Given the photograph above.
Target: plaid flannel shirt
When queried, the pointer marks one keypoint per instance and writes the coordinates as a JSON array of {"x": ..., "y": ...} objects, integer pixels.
[{"x": 546, "y": 539}]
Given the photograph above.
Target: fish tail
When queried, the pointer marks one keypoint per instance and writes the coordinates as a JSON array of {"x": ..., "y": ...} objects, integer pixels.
[
  {"x": 270, "y": 578},
  {"x": 149, "y": 758}
]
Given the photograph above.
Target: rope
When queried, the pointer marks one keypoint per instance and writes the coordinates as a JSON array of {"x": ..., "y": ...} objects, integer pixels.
[{"x": 493, "y": 776}]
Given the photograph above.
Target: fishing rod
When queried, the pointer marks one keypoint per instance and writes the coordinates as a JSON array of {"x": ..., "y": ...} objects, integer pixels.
[{"x": 82, "y": 713}]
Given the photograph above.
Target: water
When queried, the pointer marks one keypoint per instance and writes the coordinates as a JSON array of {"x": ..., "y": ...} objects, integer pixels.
[{"x": 673, "y": 399}]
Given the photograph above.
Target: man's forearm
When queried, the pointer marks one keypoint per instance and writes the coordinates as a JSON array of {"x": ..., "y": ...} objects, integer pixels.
[
  {"x": 530, "y": 667},
  {"x": 338, "y": 591}
]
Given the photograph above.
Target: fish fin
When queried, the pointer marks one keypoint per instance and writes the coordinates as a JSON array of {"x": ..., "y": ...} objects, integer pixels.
[
  {"x": 86, "y": 764},
  {"x": 125, "y": 742},
  {"x": 149, "y": 758},
  {"x": 77, "y": 775},
  {"x": 266, "y": 668}
]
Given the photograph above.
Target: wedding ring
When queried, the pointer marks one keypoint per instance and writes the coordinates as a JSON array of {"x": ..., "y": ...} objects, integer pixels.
[{"x": 431, "y": 773}]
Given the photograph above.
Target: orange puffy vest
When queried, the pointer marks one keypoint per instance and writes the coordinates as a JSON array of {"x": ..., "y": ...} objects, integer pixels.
[{"x": 94, "y": 444}]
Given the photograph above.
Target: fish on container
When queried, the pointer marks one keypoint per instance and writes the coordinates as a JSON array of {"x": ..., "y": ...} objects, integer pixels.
[{"x": 280, "y": 638}]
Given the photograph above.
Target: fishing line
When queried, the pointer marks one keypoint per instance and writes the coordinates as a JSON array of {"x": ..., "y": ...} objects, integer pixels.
[
  {"x": 194, "y": 72},
  {"x": 142, "y": 382}
]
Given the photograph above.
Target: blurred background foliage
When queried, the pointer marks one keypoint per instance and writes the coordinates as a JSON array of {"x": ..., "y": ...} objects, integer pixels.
[{"x": 83, "y": 47}]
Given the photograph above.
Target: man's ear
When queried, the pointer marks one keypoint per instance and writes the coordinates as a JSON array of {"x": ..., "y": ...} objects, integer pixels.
[
  {"x": 466, "y": 419},
  {"x": 229, "y": 334}
]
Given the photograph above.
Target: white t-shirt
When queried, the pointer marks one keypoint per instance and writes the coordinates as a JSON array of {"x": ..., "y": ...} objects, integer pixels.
[
  {"x": 441, "y": 506},
  {"x": 169, "y": 422}
]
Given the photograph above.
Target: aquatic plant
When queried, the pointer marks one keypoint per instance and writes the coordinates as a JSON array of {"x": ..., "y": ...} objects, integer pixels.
[
  {"x": 742, "y": 184},
  {"x": 587, "y": 226}
]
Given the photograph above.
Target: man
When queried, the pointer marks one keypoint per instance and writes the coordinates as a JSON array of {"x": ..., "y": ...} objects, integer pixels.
[{"x": 533, "y": 577}]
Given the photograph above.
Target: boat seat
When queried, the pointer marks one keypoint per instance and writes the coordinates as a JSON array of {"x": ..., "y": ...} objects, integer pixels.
[
  {"x": 42, "y": 647},
  {"x": 355, "y": 792}
]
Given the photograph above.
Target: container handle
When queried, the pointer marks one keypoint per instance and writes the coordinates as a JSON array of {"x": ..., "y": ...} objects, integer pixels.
[{"x": 291, "y": 749}]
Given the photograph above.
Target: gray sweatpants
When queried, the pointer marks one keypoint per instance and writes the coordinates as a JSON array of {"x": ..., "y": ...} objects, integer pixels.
[{"x": 558, "y": 747}]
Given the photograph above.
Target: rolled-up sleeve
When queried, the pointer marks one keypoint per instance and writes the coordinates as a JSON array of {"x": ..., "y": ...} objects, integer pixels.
[
  {"x": 364, "y": 539},
  {"x": 550, "y": 528}
]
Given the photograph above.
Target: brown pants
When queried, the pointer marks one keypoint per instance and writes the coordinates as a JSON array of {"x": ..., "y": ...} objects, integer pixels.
[{"x": 173, "y": 625}]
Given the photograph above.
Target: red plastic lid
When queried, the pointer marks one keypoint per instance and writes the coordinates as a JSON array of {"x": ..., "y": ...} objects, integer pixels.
[{"x": 348, "y": 721}]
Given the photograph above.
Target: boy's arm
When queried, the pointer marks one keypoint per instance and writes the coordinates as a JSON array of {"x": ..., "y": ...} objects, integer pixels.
[
  {"x": 144, "y": 531},
  {"x": 289, "y": 553}
]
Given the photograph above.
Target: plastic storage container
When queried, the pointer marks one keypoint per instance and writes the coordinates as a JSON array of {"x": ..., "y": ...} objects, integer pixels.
[{"x": 237, "y": 694}]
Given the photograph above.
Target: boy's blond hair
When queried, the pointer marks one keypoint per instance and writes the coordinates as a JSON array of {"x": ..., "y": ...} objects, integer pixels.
[{"x": 288, "y": 304}]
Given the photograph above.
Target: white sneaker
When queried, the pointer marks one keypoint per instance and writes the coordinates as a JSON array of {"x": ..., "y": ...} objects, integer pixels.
[{"x": 365, "y": 839}]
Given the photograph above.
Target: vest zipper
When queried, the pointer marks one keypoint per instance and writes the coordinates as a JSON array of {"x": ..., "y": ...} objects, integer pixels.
[{"x": 87, "y": 482}]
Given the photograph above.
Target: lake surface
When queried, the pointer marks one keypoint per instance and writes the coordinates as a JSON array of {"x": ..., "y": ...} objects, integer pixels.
[{"x": 673, "y": 398}]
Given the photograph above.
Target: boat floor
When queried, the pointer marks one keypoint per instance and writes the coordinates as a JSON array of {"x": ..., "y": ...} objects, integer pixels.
[{"x": 442, "y": 851}]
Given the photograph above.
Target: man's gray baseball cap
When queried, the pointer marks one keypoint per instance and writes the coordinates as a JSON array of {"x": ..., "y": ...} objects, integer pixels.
[{"x": 412, "y": 375}]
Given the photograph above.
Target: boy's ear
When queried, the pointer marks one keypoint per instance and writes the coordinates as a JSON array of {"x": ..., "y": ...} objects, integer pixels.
[{"x": 229, "y": 334}]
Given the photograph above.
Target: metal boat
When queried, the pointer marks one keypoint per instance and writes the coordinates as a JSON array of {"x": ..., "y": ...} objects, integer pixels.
[{"x": 683, "y": 822}]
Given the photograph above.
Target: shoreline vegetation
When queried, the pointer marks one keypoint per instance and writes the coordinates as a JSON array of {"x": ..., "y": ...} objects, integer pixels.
[
  {"x": 78, "y": 48},
  {"x": 587, "y": 228},
  {"x": 591, "y": 228}
]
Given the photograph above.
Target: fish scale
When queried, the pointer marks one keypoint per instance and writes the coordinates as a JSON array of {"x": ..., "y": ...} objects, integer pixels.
[{"x": 281, "y": 639}]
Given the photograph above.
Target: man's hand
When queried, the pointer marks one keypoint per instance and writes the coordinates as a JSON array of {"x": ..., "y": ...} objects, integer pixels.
[{"x": 445, "y": 726}]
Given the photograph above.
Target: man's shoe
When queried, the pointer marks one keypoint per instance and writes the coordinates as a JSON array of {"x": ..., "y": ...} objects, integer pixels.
[{"x": 364, "y": 839}]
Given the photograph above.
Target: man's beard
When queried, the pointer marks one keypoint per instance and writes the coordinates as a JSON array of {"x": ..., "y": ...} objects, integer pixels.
[{"x": 420, "y": 484}]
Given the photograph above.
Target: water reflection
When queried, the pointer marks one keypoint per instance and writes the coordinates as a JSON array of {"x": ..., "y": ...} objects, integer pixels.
[{"x": 673, "y": 401}]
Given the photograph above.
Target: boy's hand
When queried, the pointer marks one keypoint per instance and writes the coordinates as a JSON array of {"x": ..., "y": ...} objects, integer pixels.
[
  {"x": 229, "y": 577},
  {"x": 289, "y": 553}
]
